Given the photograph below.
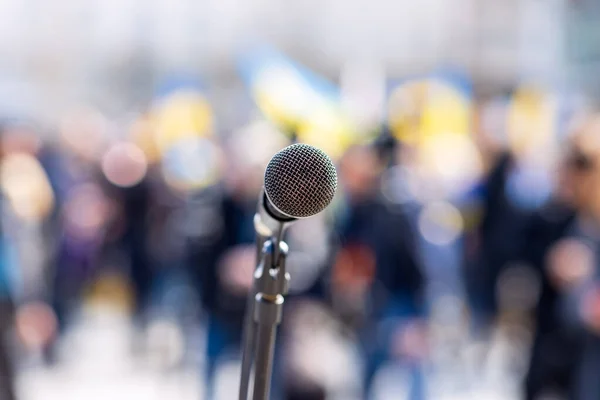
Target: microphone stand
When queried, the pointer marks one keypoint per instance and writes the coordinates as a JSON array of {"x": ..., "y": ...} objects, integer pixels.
[{"x": 269, "y": 286}]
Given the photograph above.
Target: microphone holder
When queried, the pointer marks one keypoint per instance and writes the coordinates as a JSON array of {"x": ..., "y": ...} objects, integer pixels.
[{"x": 270, "y": 285}]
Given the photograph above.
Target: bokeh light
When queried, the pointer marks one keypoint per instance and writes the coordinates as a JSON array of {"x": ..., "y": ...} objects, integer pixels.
[
  {"x": 191, "y": 164},
  {"x": 124, "y": 164},
  {"x": 26, "y": 186},
  {"x": 451, "y": 162},
  {"x": 36, "y": 325},
  {"x": 440, "y": 223},
  {"x": 85, "y": 131}
]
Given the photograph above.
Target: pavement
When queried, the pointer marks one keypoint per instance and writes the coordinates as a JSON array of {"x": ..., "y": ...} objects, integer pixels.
[{"x": 98, "y": 361}]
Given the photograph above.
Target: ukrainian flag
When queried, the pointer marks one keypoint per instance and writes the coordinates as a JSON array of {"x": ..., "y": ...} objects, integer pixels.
[
  {"x": 297, "y": 100},
  {"x": 423, "y": 108}
]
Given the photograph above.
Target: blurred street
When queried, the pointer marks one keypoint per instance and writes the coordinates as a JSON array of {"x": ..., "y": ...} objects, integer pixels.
[
  {"x": 99, "y": 364},
  {"x": 98, "y": 361}
]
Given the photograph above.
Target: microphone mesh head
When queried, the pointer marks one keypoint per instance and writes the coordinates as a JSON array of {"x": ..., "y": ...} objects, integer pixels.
[{"x": 300, "y": 181}]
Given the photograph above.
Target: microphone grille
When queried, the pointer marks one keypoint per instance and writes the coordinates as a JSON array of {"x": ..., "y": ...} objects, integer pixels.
[{"x": 300, "y": 181}]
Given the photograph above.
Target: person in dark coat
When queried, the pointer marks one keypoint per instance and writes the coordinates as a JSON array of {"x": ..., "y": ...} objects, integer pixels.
[
  {"x": 376, "y": 270},
  {"x": 23, "y": 215},
  {"x": 127, "y": 182},
  {"x": 552, "y": 247},
  {"x": 222, "y": 261},
  {"x": 7, "y": 390},
  {"x": 503, "y": 227},
  {"x": 574, "y": 269},
  {"x": 554, "y": 349}
]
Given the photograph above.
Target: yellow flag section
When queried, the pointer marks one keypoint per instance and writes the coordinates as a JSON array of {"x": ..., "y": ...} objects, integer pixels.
[
  {"x": 532, "y": 117},
  {"x": 298, "y": 101},
  {"x": 182, "y": 128},
  {"x": 419, "y": 110},
  {"x": 283, "y": 96},
  {"x": 181, "y": 115},
  {"x": 142, "y": 134},
  {"x": 329, "y": 131},
  {"x": 433, "y": 116}
]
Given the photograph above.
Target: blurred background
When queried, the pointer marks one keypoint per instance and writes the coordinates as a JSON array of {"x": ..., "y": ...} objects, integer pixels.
[{"x": 459, "y": 259}]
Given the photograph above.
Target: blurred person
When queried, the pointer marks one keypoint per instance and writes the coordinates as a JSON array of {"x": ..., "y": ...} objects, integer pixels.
[
  {"x": 556, "y": 248},
  {"x": 354, "y": 263},
  {"x": 126, "y": 183},
  {"x": 226, "y": 272},
  {"x": 28, "y": 189},
  {"x": 222, "y": 261},
  {"x": 320, "y": 360},
  {"x": 81, "y": 213},
  {"x": 428, "y": 184},
  {"x": 386, "y": 147},
  {"x": 7, "y": 376},
  {"x": 223, "y": 258},
  {"x": 27, "y": 201},
  {"x": 517, "y": 184},
  {"x": 565, "y": 355},
  {"x": 7, "y": 384},
  {"x": 84, "y": 218},
  {"x": 377, "y": 280},
  {"x": 307, "y": 263}
]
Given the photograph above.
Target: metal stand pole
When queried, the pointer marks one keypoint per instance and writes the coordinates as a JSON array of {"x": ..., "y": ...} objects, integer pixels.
[
  {"x": 249, "y": 329},
  {"x": 271, "y": 283},
  {"x": 263, "y": 364}
]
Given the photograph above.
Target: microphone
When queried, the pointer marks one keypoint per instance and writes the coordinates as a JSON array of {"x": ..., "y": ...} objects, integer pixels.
[{"x": 300, "y": 181}]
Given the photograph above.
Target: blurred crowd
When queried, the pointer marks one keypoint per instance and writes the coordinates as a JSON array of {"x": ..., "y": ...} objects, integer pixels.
[{"x": 443, "y": 236}]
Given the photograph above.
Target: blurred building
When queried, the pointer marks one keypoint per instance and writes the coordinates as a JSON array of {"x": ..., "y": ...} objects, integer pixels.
[{"x": 115, "y": 52}]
